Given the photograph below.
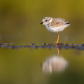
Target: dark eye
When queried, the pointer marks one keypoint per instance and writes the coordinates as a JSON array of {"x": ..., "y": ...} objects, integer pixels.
[{"x": 46, "y": 20}]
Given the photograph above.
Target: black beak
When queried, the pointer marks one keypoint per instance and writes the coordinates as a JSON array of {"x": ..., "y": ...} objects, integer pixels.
[{"x": 41, "y": 23}]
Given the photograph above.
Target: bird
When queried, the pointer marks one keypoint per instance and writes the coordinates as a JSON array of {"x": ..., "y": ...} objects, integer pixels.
[
  {"x": 54, "y": 64},
  {"x": 55, "y": 25}
]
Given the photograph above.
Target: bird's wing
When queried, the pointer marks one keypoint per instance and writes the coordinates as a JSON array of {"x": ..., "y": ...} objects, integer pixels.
[{"x": 56, "y": 22}]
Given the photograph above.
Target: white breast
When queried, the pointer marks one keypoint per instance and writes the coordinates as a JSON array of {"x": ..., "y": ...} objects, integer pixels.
[{"x": 56, "y": 29}]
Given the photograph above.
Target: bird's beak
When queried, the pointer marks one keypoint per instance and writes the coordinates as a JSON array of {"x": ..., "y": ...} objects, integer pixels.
[{"x": 41, "y": 23}]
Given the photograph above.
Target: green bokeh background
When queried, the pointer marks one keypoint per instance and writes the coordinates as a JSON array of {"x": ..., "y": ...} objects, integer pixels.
[
  {"x": 20, "y": 20},
  {"x": 20, "y": 23}
]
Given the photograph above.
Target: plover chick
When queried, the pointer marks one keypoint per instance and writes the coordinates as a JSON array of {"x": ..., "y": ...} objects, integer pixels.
[{"x": 55, "y": 25}]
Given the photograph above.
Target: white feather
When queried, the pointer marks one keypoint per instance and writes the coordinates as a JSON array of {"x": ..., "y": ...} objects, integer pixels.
[{"x": 57, "y": 29}]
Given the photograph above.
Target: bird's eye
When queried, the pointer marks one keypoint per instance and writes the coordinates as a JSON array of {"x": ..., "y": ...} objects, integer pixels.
[{"x": 46, "y": 20}]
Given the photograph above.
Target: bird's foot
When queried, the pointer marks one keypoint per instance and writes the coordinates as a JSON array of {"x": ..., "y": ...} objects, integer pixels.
[{"x": 58, "y": 43}]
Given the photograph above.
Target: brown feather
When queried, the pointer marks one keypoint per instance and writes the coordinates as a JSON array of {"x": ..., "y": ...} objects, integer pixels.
[{"x": 58, "y": 22}]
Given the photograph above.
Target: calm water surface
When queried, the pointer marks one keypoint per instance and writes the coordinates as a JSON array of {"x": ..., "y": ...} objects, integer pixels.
[
  {"x": 25, "y": 66},
  {"x": 20, "y": 22}
]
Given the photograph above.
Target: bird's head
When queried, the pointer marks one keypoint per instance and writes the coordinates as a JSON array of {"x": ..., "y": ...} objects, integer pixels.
[{"x": 46, "y": 20}]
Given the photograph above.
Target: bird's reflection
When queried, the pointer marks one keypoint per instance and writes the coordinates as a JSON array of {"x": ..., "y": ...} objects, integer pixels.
[{"x": 54, "y": 64}]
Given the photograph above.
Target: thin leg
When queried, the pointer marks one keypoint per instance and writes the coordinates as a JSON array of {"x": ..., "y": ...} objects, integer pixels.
[
  {"x": 57, "y": 38},
  {"x": 57, "y": 51}
]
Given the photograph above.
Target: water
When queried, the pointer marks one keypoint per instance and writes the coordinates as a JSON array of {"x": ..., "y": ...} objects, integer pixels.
[{"x": 24, "y": 65}]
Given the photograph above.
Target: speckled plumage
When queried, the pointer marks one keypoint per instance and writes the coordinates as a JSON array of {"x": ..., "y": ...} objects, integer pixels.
[{"x": 55, "y": 24}]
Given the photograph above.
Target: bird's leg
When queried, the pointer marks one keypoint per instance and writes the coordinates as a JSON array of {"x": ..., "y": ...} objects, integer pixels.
[
  {"x": 57, "y": 51},
  {"x": 57, "y": 38}
]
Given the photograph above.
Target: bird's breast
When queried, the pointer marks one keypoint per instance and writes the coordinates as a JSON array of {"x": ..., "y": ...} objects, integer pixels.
[{"x": 55, "y": 29}]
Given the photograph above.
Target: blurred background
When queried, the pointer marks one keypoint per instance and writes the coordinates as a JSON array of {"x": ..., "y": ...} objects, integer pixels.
[
  {"x": 20, "y": 20},
  {"x": 20, "y": 23}
]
